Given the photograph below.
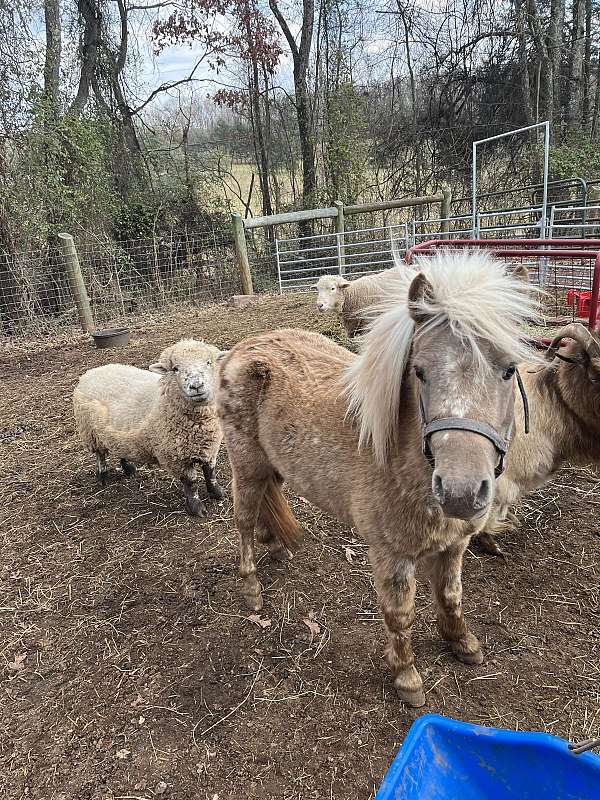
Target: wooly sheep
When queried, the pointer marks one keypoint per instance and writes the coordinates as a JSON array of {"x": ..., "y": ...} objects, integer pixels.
[
  {"x": 349, "y": 299},
  {"x": 166, "y": 415}
]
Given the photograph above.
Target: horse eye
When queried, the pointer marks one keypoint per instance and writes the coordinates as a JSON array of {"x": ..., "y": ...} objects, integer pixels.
[
  {"x": 420, "y": 373},
  {"x": 509, "y": 372}
]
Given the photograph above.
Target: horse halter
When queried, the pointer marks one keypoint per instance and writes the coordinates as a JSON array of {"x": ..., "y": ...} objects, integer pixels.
[{"x": 501, "y": 443}]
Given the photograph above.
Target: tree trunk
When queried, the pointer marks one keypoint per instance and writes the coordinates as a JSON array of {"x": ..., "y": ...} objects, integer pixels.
[
  {"x": 89, "y": 11},
  {"x": 301, "y": 59},
  {"x": 587, "y": 67},
  {"x": 576, "y": 68},
  {"x": 261, "y": 151},
  {"x": 555, "y": 44},
  {"x": 523, "y": 63},
  {"x": 52, "y": 58},
  {"x": 596, "y": 114},
  {"x": 413, "y": 95}
]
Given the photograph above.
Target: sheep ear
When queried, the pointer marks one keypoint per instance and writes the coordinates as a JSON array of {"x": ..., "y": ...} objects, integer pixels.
[
  {"x": 221, "y": 354},
  {"x": 342, "y": 284},
  {"x": 159, "y": 368}
]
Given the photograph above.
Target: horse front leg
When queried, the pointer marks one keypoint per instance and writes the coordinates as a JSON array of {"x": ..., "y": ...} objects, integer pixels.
[
  {"x": 396, "y": 588},
  {"x": 445, "y": 569}
]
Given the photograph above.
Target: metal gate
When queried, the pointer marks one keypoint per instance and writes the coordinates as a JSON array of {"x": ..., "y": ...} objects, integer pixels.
[{"x": 302, "y": 261}]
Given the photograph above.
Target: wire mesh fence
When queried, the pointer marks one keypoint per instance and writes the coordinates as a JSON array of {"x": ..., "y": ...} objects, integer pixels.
[
  {"x": 123, "y": 279},
  {"x": 139, "y": 277}
]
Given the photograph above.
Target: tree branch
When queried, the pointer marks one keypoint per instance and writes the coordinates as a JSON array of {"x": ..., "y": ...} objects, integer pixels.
[
  {"x": 165, "y": 87},
  {"x": 285, "y": 28}
]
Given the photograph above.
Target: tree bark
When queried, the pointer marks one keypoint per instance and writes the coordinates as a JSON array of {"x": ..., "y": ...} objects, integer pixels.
[
  {"x": 52, "y": 58},
  {"x": 596, "y": 114},
  {"x": 89, "y": 11},
  {"x": 587, "y": 67},
  {"x": 555, "y": 45},
  {"x": 300, "y": 57},
  {"x": 523, "y": 63},
  {"x": 576, "y": 67}
]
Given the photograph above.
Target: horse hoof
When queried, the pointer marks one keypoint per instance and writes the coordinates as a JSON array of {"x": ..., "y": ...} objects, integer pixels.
[
  {"x": 486, "y": 543},
  {"x": 413, "y": 699},
  {"x": 254, "y": 602},
  {"x": 472, "y": 659},
  {"x": 280, "y": 554}
]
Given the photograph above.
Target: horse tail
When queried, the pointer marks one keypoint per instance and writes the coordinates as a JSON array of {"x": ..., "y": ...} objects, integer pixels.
[{"x": 277, "y": 517}]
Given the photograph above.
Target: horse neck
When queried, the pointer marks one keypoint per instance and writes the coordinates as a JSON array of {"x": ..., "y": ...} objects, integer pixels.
[
  {"x": 563, "y": 426},
  {"x": 579, "y": 415}
]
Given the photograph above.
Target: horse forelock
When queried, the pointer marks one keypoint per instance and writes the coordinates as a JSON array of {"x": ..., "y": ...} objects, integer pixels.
[{"x": 474, "y": 295}]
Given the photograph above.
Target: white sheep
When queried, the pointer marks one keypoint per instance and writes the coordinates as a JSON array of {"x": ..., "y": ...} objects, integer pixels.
[
  {"x": 348, "y": 299},
  {"x": 166, "y": 415}
]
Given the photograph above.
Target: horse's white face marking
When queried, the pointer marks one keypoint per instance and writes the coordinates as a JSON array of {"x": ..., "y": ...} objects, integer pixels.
[{"x": 458, "y": 407}]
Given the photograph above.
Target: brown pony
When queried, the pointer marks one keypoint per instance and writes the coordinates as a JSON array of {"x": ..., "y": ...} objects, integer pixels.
[{"x": 403, "y": 441}]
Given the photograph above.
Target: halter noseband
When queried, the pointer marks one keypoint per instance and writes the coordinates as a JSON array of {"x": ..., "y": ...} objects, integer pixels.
[{"x": 501, "y": 443}]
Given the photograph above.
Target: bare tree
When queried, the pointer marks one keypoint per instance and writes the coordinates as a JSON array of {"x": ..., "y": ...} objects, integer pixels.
[{"x": 301, "y": 59}]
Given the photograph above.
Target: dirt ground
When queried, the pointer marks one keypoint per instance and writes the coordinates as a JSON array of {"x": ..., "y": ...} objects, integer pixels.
[{"x": 129, "y": 668}]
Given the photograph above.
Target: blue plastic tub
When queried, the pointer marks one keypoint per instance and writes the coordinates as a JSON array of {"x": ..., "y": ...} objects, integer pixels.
[{"x": 442, "y": 759}]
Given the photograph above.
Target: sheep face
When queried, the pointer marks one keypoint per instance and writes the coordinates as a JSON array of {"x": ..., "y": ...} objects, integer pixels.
[
  {"x": 189, "y": 366},
  {"x": 331, "y": 291}
]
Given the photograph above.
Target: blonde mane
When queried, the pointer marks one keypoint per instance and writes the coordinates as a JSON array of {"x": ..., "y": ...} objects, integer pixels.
[{"x": 474, "y": 294}]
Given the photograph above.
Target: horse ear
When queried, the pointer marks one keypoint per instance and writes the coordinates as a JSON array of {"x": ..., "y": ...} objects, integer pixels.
[
  {"x": 521, "y": 272},
  {"x": 420, "y": 292}
]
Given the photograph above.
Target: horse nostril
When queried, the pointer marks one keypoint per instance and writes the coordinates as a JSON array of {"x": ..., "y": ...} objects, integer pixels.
[
  {"x": 484, "y": 495},
  {"x": 437, "y": 486}
]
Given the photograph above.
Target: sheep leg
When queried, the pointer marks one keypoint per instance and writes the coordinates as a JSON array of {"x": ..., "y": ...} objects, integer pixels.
[
  {"x": 128, "y": 468},
  {"x": 101, "y": 468},
  {"x": 193, "y": 504},
  {"x": 212, "y": 487},
  {"x": 396, "y": 588},
  {"x": 445, "y": 575}
]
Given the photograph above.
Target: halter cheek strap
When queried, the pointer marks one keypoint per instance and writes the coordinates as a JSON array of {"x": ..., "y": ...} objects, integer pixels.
[{"x": 501, "y": 443}]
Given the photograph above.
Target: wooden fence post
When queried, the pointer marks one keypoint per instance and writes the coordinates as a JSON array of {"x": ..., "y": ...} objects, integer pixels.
[
  {"x": 339, "y": 229},
  {"x": 73, "y": 270},
  {"x": 241, "y": 253},
  {"x": 446, "y": 211}
]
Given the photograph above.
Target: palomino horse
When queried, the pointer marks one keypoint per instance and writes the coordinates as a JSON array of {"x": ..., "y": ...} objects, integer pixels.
[{"x": 403, "y": 441}]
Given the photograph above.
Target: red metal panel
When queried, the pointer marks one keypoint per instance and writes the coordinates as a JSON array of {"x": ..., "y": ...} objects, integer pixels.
[{"x": 550, "y": 249}]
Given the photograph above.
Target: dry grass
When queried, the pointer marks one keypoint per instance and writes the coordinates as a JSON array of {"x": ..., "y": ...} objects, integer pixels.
[{"x": 129, "y": 663}]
